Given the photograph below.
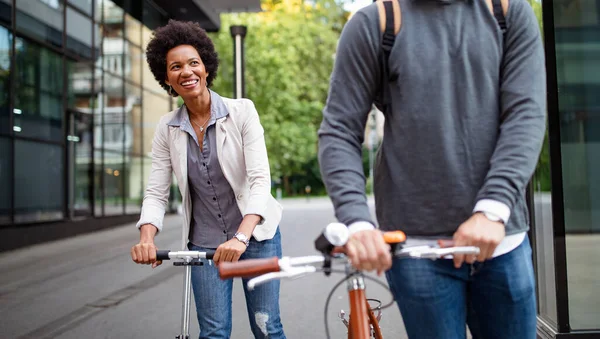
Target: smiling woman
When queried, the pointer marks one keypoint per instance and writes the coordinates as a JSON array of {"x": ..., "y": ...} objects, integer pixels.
[
  {"x": 175, "y": 34},
  {"x": 224, "y": 181}
]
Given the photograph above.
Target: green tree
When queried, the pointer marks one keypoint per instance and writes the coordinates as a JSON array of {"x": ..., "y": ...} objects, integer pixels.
[
  {"x": 542, "y": 172},
  {"x": 289, "y": 51}
]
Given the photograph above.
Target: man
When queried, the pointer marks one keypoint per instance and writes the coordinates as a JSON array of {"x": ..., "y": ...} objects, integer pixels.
[{"x": 462, "y": 136}]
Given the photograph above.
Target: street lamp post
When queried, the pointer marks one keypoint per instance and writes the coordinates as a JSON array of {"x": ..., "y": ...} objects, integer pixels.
[{"x": 238, "y": 33}]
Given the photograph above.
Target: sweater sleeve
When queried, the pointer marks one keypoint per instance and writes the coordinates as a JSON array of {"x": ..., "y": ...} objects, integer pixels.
[
  {"x": 353, "y": 84},
  {"x": 523, "y": 109}
]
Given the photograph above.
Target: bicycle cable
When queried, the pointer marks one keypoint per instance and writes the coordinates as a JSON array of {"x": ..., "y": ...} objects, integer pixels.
[{"x": 337, "y": 285}]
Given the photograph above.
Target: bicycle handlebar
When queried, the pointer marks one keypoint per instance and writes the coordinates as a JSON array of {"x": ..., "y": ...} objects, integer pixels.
[
  {"x": 168, "y": 254},
  {"x": 263, "y": 270},
  {"x": 335, "y": 234}
]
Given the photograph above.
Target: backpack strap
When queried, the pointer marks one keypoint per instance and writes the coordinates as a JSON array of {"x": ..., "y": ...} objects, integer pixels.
[
  {"x": 389, "y": 34},
  {"x": 389, "y": 23},
  {"x": 390, "y": 20},
  {"x": 499, "y": 9}
]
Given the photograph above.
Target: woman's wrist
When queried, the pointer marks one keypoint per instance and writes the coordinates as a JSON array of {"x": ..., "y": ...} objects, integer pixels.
[
  {"x": 147, "y": 233},
  {"x": 248, "y": 224}
]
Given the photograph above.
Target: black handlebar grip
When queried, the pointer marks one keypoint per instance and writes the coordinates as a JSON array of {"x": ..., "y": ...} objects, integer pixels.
[
  {"x": 162, "y": 254},
  {"x": 210, "y": 254}
]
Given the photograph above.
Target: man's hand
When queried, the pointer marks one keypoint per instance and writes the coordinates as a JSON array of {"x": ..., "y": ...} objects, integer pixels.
[
  {"x": 481, "y": 232},
  {"x": 368, "y": 251},
  {"x": 144, "y": 252},
  {"x": 230, "y": 250}
]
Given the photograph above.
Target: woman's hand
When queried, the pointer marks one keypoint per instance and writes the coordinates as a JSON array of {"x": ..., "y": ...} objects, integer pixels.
[
  {"x": 230, "y": 250},
  {"x": 145, "y": 251}
]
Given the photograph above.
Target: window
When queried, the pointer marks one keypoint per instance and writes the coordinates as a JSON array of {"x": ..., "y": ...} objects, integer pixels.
[
  {"x": 5, "y": 180},
  {"x": 38, "y": 111},
  {"x": 133, "y": 64},
  {"x": 39, "y": 182},
  {"x": 133, "y": 111},
  {"x": 42, "y": 19},
  {"x": 80, "y": 93},
  {"x": 6, "y": 12},
  {"x": 112, "y": 105},
  {"x": 148, "y": 78},
  {"x": 5, "y": 55},
  {"x": 79, "y": 34},
  {"x": 133, "y": 30},
  {"x": 577, "y": 28},
  {"x": 114, "y": 183},
  {"x": 79, "y": 144},
  {"x": 84, "y": 5},
  {"x": 155, "y": 106},
  {"x": 134, "y": 188}
]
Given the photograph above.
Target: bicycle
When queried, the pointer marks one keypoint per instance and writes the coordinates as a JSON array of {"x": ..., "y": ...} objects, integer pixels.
[
  {"x": 186, "y": 259},
  {"x": 362, "y": 323}
]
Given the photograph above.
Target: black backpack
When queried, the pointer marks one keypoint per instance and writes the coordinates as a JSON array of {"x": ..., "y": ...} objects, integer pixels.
[{"x": 386, "y": 12}]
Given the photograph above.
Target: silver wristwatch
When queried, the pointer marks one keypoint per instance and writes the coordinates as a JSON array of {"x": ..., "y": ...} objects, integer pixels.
[{"x": 242, "y": 237}]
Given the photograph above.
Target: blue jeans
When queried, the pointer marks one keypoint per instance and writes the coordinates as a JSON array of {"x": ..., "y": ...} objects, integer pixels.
[
  {"x": 496, "y": 298},
  {"x": 213, "y": 296}
]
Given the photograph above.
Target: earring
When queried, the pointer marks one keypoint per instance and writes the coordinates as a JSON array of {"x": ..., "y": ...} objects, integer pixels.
[{"x": 171, "y": 91}]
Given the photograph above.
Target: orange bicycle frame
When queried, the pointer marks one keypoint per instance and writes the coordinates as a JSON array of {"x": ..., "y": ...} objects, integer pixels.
[{"x": 362, "y": 318}]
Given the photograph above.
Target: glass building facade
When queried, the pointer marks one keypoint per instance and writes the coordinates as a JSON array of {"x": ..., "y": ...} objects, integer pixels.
[
  {"x": 565, "y": 190},
  {"x": 74, "y": 143}
]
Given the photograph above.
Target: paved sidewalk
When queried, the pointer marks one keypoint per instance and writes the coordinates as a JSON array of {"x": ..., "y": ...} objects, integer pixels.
[{"x": 87, "y": 286}]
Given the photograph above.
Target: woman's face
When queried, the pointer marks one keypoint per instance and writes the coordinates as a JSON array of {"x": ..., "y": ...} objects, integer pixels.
[{"x": 186, "y": 72}]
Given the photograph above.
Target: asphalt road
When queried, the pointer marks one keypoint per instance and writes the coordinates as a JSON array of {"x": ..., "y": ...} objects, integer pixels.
[{"x": 88, "y": 287}]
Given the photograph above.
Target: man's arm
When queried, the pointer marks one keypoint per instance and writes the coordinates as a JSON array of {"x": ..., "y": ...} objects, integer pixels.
[
  {"x": 354, "y": 82},
  {"x": 523, "y": 114}
]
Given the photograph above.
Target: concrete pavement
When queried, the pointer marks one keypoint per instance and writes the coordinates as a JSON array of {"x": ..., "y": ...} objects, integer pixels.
[{"x": 88, "y": 287}]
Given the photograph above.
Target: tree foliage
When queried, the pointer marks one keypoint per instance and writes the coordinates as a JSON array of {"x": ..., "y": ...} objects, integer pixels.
[
  {"x": 289, "y": 54},
  {"x": 289, "y": 50},
  {"x": 542, "y": 175}
]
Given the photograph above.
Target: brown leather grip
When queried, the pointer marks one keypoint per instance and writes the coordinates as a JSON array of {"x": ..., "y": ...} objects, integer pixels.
[
  {"x": 446, "y": 243},
  {"x": 248, "y": 268}
]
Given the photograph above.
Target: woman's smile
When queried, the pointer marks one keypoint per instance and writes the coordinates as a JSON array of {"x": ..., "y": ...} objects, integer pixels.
[{"x": 189, "y": 84}]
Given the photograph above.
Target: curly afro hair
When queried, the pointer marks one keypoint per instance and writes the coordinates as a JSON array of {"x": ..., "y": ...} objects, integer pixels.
[{"x": 177, "y": 33}]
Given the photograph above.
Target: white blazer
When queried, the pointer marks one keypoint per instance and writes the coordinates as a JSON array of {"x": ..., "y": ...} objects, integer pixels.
[{"x": 243, "y": 158}]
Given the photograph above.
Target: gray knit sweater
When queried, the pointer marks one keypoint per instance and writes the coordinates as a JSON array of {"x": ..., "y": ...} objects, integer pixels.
[{"x": 466, "y": 122}]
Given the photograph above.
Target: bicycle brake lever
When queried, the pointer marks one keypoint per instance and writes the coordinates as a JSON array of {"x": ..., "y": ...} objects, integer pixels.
[
  {"x": 292, "y": 272},
  {"x": 427, "y": 252},
  {"x": 263, "y": 279}
]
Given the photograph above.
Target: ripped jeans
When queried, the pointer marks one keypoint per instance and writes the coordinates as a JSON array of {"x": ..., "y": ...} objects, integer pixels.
[{"x": 213, "y": 296}]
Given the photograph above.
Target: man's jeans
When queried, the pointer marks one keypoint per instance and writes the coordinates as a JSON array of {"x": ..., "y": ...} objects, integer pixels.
[
  {"x": 213, "y": 296},
  {"x": 495, "y": 298}
]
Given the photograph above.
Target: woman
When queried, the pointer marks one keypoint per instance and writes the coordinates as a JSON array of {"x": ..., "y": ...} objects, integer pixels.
[{"x": 216, "y": 148}]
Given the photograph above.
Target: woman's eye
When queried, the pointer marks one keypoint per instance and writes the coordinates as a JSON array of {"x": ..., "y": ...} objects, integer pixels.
[
  {"x": 194, "y": 62},
  {"x": 174, "y": 67}
]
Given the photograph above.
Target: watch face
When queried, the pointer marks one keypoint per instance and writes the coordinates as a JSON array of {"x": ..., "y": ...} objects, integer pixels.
[{"x": 242, "y": 237}]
